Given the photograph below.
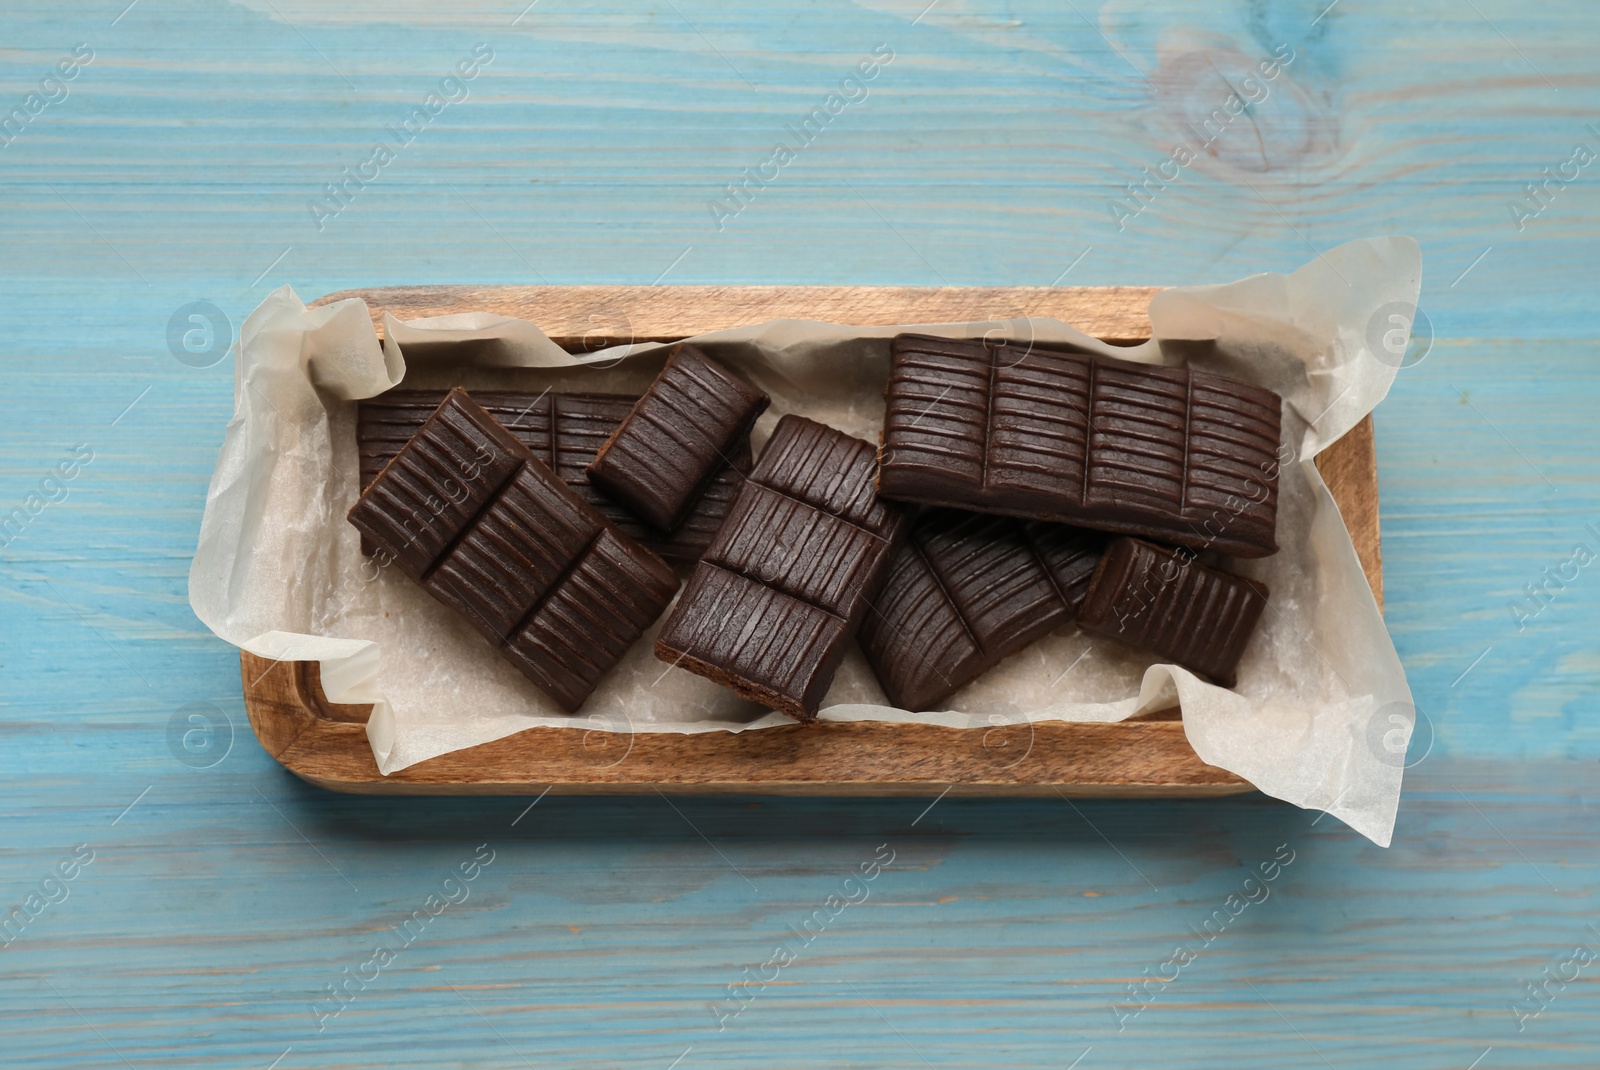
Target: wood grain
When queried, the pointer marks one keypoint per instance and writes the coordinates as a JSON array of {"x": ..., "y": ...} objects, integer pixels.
[
  {"x": 325, "y": 745},
  {"x": 1350, "y": 469},
  {"x": 328, "y": 747},
  {"x": 591, "y": 317},
  {"x": 230, "y": 895}
]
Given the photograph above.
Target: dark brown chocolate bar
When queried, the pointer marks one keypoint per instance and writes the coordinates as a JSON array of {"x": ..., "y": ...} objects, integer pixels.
[
  {"x": 771, "y": 608},
  {"x": 1184, "y": 456},
  {"x": 563, "y": 431},
  {"x": 466, "y": 510},
  {"x": 678, "y": 437},
  {"x": 966, "y": 591},
  {"x": 1165, "y": 601}
]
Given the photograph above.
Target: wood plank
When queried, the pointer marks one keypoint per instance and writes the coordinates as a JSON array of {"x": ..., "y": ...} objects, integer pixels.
[
  {"x": 1007, "y": 928},
  {"x": 591, "y": 317},
  {"x": 326, "y": 744},
  {"x": 1350, "y": 468},
  {"x": 328, "y": 747}
]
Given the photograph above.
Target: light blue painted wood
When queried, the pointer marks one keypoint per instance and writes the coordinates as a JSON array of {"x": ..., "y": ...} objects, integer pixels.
[{"x": 216, "y": 909}]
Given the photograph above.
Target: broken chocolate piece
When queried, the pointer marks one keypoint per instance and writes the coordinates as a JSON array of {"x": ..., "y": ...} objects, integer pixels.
[
  {"x": 1184, "y": 456},
  {"x": 563, "y": 431},
  {"x": 467, "y": 511},
  {"x": 1164, "y": 601},
  {"x": 771, "y": 608},
  {"x": 680, "y": 434},
  {"x": 967, "y": 591}
]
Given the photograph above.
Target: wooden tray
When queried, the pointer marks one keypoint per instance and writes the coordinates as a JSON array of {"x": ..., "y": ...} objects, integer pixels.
[{"x": 326, "y": 744}]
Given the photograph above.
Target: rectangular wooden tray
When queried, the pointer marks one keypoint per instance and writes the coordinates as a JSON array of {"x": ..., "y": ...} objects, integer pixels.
[{"x": 326, "y": 744}]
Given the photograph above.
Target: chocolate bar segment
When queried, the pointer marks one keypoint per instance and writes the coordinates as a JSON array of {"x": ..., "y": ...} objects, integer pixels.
[
  {"x": 685, "y": 545},
  {"x": 966, "y": 591},
  {"x": 680, "y": 434},
  {"x": 588, "y": 622},
  {"x": 1185, "y": 456},
  {"x": 763, "y": 643},
  {"x": 1164, "y": 601},
  {"x": 773, "y": 605},
  {"x": 517, "y": 550},
  {"x": 563, "y": 431},
  {"x": 468, "y": 512},
  {"x": 435, "y": 486},
  {"x": 1069, "y": 555}
]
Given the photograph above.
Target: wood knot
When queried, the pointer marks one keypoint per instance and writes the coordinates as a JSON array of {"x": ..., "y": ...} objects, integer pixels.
[{"x": 1245, "y": 111}]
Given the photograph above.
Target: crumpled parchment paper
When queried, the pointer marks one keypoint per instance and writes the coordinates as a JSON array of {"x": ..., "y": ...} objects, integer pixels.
[{"x": 278, "y": 570}]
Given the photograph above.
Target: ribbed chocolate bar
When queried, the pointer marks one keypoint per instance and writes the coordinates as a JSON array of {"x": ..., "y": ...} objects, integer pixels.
[
  {"x": 1164, "y": 601},
  {"x": 966, "y": 591},
  {"x": 1184, "y": 456},
  {"x": 466, "y": 510},
  {"x": 771, "y": 608},
  {"x": 563, "y": 431},
  {"x": 678, "y": 437}
]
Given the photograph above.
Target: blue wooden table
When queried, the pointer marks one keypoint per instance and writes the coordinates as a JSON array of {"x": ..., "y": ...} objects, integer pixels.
[{"x": 172, "y": 898}]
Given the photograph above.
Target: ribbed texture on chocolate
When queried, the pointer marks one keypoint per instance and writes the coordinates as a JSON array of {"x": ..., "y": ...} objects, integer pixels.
[
  {"x": 563, "y": 431},
  {"x": 688, "y": 543},
  {"x": 386, "y": 422},
  {"x": 830, "y": 470},
  {"x": 772, "y": 606},
  {"x": 611, "y": 595},
  {"x": 918, "y": 645},
  {"x": 1185, "y": 456},
  {"x": 678, "y": 436},
  {"x": 937, "y": 414},
  {"x": 966, "y": 591},
  {"x": 530, "y": 564},
  {"x": 1041, "y": 444},
  {"x": 1229, "y": 442},
  {"x": 513, "y": 555},
  {"x": 1069, "y": 555},
  {"x": 1159, "y": 600},
  {"x": 431, "y": 490},
  {"x": 768, "y": 646},
  {"x": 797, "y": 549}
]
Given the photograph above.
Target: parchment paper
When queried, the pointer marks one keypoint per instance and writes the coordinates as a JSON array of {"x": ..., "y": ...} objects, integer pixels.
[{"x": 278, "y": 570}]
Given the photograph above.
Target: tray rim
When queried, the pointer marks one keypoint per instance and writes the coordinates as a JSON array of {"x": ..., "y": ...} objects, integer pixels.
[{"x": 325, "y": 743}]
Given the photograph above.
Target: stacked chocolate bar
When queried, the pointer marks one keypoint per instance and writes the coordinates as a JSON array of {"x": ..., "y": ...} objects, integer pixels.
[
  {"x": 1071, "y": 442},
  {"x": 495, "y": 504},
  {"x": 1016, "y": 489},
  {"x": 564, "y": 431}
]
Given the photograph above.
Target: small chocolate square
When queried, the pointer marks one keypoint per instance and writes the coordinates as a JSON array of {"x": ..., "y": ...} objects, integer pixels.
[
  {"x": 433, "y": 488},
  {"x": 768, "y": 646},
  {"x": 682, "y": 432},
  {"x": 513, "y": 554},
  {"x": 589, "y": 620},
  {"x": 1165, "y": 601}
]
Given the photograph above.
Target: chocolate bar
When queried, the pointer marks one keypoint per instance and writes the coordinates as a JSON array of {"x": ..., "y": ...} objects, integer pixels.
[
  {"x": 563, "y": 431},
  {"x": 1183, "y": 456},
  {"x": 1165, "y": 601},
  {"x": 966, "y": 591},
  {"x": 466, "y": 510},
  {"x": 772, "y": 606},
  {"x": 677, "y": 438}
]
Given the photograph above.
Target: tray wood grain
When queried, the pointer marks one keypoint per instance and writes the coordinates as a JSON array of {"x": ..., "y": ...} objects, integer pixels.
[{"x": 325, "y": 743}]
